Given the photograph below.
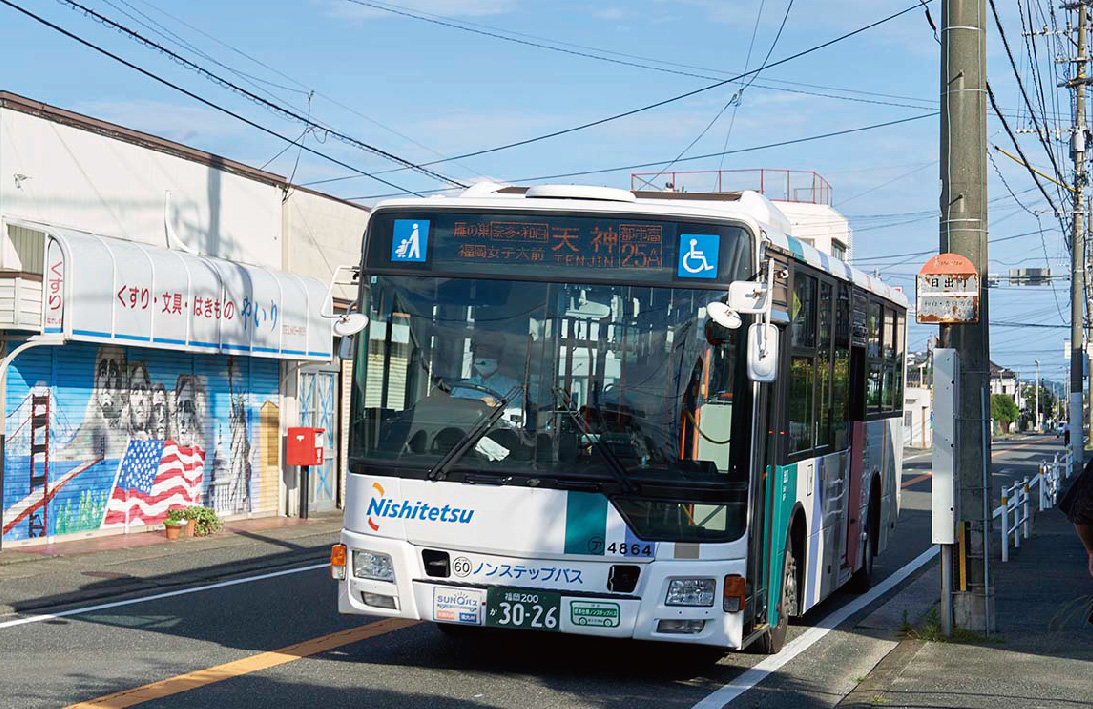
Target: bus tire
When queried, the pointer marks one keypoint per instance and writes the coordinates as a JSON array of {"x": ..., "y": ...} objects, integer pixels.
[
  {"x": 774, "y": 639},
  {"x": 862, "y": 580}
]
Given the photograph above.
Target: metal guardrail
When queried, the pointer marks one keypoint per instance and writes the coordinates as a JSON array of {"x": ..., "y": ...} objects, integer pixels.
[{"x": 1016, "y": 508}]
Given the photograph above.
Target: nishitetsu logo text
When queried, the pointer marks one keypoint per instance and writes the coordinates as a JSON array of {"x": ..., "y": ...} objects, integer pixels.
[{"x": 383, "y": 506}]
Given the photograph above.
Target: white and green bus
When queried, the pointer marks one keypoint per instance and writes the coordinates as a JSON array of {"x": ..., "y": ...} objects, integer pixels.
[{"x": 593, "y": 411}]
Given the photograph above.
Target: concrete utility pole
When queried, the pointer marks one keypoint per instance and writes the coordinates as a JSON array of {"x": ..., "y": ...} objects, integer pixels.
[
  {"x": 964, "y": 231},
  {"x": 1036, "y": 411},
  {"x": 1077, "y": 246}
]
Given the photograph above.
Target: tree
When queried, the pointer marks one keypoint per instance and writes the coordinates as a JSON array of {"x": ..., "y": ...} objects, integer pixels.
[
  {"x": 1004, "y": 410},
  {"x": 1047, "y": 401}
]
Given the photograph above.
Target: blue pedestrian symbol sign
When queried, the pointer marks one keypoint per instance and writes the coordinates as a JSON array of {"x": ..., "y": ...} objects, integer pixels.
[
  {"x": 698, "y": 255},
  {"x": 410, "y": 240}
]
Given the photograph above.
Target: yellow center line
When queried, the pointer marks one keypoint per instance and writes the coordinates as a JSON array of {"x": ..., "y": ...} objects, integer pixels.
[
  {"x": 254, "y": 663},
  {"x": 1019, "y": 445}
]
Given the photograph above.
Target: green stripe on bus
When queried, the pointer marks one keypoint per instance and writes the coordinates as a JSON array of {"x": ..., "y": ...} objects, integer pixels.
[
  {"x": 795, "y": 247},
  {"x": 585, "y": 523},
  {"x": 782, "y": 500}
]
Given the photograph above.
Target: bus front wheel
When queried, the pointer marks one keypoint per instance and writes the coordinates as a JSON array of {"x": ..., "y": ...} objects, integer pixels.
[{"x": 775, "y": 638}]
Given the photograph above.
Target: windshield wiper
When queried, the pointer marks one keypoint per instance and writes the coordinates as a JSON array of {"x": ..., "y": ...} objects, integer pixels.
[
  {"x": 473, "y": 436},
  {"x": 616, "y": 466}
]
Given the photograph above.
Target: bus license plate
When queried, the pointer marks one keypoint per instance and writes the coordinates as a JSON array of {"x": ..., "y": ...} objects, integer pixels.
[{"x": 522, "y": 608}]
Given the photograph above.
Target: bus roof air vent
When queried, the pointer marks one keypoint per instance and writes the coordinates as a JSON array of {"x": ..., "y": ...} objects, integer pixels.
[
  {"x": 481, "y": 189},
  {"x": 608, "y": 194}
]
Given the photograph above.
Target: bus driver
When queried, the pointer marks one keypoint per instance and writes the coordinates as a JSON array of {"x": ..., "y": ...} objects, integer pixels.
[{"x": 486, "y": 383}]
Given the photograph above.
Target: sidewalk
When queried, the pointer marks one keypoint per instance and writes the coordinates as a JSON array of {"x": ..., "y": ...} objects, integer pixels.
[
  {"x": 1040, "y": 656},
  {"x": 45, "y": 577}
]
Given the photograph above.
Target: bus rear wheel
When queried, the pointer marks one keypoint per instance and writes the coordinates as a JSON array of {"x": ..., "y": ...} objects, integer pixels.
[
  {"x": 774, "y": 639},
  {"x": 862, "y": 580}
]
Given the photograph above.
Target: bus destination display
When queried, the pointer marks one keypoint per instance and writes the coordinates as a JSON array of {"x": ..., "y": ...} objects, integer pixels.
[
  {"x": 558, "y": 246},
  {"x": 596, "y": 245}
]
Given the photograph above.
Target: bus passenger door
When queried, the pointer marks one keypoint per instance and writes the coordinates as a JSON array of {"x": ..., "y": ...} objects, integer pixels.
[
  {"x": 857, "y": 430},
  {"x": 767, "y": 418}
]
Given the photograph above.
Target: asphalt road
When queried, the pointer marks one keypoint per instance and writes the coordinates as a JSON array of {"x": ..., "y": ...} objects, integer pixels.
[{"x": 81, "y": 657}]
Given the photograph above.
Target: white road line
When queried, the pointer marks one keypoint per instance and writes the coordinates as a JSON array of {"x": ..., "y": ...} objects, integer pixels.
[
  {"x": 755, "y": 675},
  {"x": 168, "y": 594}
]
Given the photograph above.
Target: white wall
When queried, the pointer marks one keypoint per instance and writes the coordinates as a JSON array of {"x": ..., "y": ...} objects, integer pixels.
[
  {"x": 817, "y": 225},
  {"x": 92, "y": 182},
  {"x": 919, "y": 403},
  {"x": 321, "y": 234}
]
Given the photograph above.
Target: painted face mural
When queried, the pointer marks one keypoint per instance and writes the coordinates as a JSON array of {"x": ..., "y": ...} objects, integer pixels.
[
  {"x": 189, "y": 410},
  {"x": 159, "y": 414},
  {"x": 140, "y": 401},
  {"x": 105, "y": 426},
  {"x": 110, "y": 437},
  {"x": 110, "y": 384}
]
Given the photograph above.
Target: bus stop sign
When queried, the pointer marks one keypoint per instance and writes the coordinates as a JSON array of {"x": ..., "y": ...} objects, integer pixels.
[{"x": 947, "y": 291}]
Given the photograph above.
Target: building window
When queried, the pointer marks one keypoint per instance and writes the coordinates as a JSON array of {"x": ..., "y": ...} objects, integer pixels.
[
  {"x": 907, "y": 419},
  {"x": 838, "y": 250}
]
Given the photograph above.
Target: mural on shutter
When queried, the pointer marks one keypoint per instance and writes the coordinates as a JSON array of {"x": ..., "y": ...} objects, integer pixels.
[{"x": 105, "y": 436}]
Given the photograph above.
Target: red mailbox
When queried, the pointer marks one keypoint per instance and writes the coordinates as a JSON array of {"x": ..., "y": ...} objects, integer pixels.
[{"x": 304, "y": 446}]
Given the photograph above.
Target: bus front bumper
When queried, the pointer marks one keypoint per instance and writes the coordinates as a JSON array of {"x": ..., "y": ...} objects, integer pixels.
[{"x": 587, "y": 609}]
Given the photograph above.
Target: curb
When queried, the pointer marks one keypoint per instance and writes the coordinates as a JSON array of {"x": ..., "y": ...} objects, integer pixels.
[{"x": 870, "y": 691}]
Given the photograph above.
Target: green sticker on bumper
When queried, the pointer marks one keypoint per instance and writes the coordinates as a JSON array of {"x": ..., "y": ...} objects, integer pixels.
[{"x": 598, "y": 614}]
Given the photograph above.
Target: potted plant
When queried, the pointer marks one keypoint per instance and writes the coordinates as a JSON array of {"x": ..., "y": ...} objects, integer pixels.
[
  {"x": 204, "y": 519},
  {"x": 173, "y": 524}
]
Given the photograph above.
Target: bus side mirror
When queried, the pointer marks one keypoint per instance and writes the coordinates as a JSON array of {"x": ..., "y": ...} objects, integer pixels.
[{"x": 762, "y": 352}]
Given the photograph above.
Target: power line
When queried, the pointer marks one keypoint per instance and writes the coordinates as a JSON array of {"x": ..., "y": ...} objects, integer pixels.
[
  {"x": 885, "y": 184},
  {"x": 739, "y": 98},
  {"x": 1017, "y": 145},
  {"x": 928, "y": 252},
  {"x": 1039, "y": 223},
  {"x": 198, "y": 98},
  {"x": 304, "y": 88},
  {"x": 663, "y": 102},
  {"x": 736, "y": 98},
  {"x": 225, "y": 83},
  {"x": 623, "y": 168},
  {"x": 1024, "y": 94},
  {"x": 643, "y": 63}
]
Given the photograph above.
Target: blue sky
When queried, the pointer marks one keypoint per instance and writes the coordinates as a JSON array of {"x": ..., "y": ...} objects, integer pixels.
[{"x": 423, "y": 91}]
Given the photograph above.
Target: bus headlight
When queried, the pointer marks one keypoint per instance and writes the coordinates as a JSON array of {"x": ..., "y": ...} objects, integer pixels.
[
  {"x": 690, "y": 592},
  {"x": 373, "y": 565}
]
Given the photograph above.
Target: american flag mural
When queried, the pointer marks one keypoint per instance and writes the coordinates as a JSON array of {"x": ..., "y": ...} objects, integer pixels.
[{"x": 154, "y": 477}]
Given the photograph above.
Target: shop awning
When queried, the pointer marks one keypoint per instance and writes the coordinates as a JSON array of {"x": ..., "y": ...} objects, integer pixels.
[{"x": 103, "y": 289}]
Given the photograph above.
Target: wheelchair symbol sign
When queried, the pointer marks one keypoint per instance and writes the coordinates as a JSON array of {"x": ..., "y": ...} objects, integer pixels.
[{"x": 698, "y": 255}]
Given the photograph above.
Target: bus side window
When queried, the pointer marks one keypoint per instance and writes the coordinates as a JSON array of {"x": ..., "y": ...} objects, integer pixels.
[
  {"x": 840, "y": 395},
  {"x": 824, "y": 368},
  {"x": 890, "y": 403},
  {"x": 875, "y": 373},
  {"x": 901, "y": 336}
]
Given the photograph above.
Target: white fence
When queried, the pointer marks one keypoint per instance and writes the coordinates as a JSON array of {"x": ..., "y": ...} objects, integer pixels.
[{"x": 1016, "y": 508}]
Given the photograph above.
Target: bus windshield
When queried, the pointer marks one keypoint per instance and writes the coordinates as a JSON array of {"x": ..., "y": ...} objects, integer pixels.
[{"x": 557, "y": 380}]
